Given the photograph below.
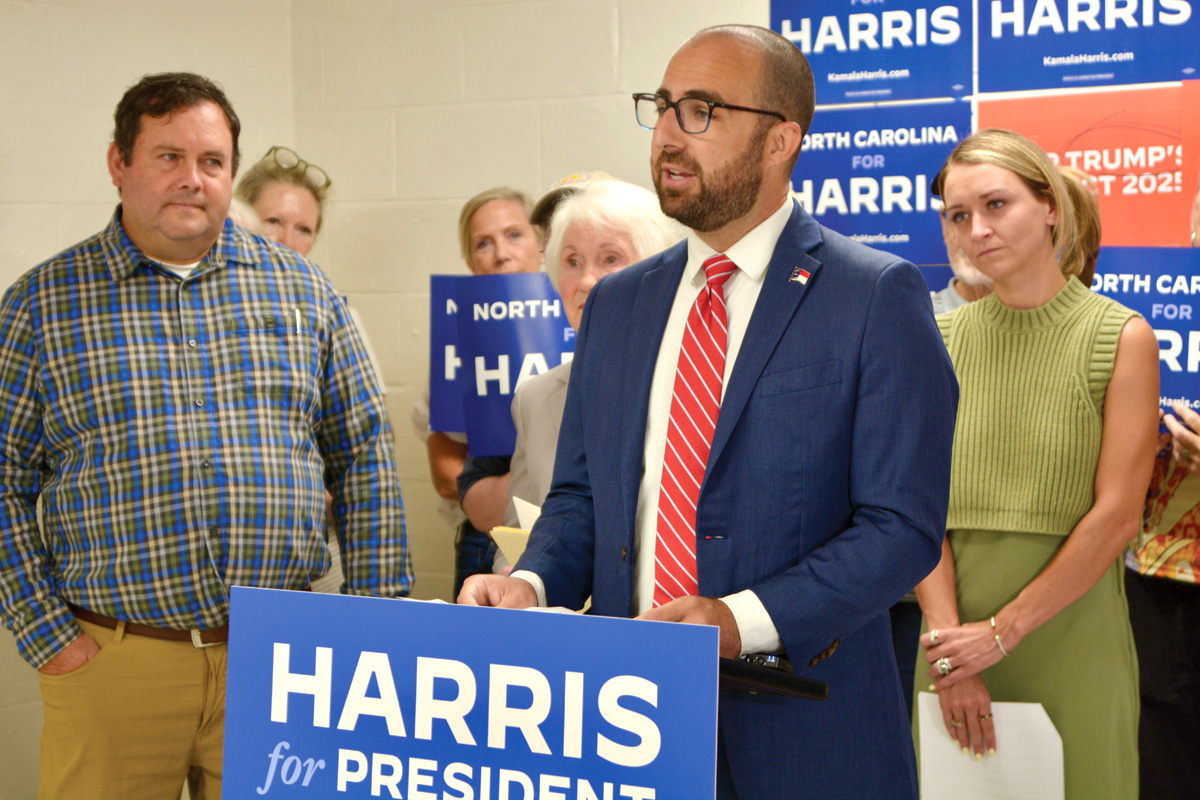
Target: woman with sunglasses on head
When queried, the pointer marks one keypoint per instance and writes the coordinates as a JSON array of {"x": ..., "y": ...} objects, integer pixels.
[
  {"x": 288, "y": 195},
  {"x": 1056, "y": 430}
]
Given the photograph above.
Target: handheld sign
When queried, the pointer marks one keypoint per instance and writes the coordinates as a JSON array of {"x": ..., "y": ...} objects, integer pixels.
[
  {"x": 445, "y": 363},
  {"x": 488, "y": 334},
  {"x": 340, "y": 696},
  {"x": 510, "y": 328}
]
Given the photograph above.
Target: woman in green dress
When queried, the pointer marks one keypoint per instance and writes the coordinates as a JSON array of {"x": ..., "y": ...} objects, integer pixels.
[{"x": 1055, "y": 438}]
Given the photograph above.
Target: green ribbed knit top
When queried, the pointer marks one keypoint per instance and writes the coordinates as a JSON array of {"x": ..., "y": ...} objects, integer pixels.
[{"x": 1030, "y": 409}]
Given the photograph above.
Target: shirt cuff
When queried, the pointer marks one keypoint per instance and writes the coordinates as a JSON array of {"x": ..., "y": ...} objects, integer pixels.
[
  {"x": 533, "y": 580},
  {"x": 754, "y": 623},
  {"x": 48, "y": 636}
]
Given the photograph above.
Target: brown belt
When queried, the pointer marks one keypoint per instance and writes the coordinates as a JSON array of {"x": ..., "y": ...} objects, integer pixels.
[{"x": 199, "y": 638}]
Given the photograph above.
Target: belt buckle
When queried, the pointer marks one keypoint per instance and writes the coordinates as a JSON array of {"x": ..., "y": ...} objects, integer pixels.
[{"x": 196, "y": 640}]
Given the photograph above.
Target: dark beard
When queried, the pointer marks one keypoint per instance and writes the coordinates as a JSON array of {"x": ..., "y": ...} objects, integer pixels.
[{"x": 727, "y": 195}]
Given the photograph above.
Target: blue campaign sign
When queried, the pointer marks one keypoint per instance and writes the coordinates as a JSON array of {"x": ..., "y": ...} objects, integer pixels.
[
  {"x": 510, "y": 328},
  {"x": 1054, "y": 44},
  {"x": 488, "y": 334},
  {"x": 865, "y": 173},
  {"x": 333, "y": 695},
  {"x": 445, "y": 396},
  {"x": 1163, "y": 285},
  {"x": 868, "y": 50}
]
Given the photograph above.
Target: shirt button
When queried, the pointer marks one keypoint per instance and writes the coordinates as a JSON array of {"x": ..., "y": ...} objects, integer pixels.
[
  {"x": 199, "y": 403},
  {"x": 214, "y": 531},
  {"x": 191, "y": 342},
  {"x": 206, "y": 463}
]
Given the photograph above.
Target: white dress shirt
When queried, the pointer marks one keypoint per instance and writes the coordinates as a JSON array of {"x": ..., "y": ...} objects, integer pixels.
[{"x": 752, "y": 253}]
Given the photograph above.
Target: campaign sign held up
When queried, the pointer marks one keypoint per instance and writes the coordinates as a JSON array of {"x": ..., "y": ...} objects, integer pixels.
[
  {"x": 445, "y": 397},
  {"x": 864, "y": 51},
  {"x": 488, "y": 334},
  {"x": 340, "y": 696},
  {"x": 510, "y": 328},
  {"x": 1163, "y": 285}
]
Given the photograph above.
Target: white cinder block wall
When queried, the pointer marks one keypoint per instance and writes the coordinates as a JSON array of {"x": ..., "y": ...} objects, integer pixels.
[
  {"x": 410, "y": 105},
  {"x": 414, "y": 106}
]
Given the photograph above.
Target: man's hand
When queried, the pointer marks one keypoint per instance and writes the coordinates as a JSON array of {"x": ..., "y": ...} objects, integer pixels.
[
  {"x": 702, "y": 611},
  {"x": 72, "y": 657},
  {"x": 498, "y": 591}
]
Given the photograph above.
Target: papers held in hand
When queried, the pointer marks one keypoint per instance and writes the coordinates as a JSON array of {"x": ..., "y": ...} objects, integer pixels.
[{"x": 512, "y": 541}]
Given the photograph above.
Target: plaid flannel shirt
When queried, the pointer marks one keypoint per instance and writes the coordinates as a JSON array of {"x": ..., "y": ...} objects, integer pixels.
[{"x": 180, "y": 434}]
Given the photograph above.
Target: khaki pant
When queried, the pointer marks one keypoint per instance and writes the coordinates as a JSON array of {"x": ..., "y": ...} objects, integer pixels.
[{"x": 135, "y": 722}]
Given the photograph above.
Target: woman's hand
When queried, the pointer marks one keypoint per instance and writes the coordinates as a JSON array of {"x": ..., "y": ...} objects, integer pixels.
[
  {"x": 969, "y": 650},
  {"x": 1185, "y": 443},
  {"x": 967, "y": 715}
]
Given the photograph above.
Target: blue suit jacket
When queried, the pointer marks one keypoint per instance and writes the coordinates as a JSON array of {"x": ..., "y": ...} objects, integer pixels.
[{"x": 825, "y": 493}]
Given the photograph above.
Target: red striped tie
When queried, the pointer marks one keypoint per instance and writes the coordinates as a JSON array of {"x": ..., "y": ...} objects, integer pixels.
[{"x": 694, "y": 406}]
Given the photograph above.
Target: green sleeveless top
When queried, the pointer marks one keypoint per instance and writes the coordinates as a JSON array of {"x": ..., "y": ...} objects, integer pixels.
[{"x": 1030, "y": 409}]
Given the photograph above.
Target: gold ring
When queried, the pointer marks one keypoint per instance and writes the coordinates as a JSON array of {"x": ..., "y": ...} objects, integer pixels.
[
  {"x": 956, "y": 723},
  {"x": 933, "y": 636},
  {"x": 985, "y": 717}
]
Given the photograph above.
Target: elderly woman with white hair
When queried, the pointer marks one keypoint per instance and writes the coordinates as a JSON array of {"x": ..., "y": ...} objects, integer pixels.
[{"x": 599, "y": 230}]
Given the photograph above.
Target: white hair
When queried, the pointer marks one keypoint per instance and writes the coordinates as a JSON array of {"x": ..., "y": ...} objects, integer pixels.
[{"x": 612, "y": 205}]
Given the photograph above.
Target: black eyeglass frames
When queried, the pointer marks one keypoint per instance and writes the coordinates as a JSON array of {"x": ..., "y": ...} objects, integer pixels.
[{"x": 692, "y": 113}]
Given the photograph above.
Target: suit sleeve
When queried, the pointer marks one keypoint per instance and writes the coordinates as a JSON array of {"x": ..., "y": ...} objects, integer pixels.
[{"x": 905, "y": 403}]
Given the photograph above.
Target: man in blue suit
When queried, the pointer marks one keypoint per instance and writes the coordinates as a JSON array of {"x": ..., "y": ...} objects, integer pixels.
[{"x": 823, "y": 496}]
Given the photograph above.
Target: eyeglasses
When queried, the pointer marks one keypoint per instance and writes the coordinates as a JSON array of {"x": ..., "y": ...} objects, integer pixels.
[
  {"x": 287, "y": 159},
  {"x": 693, "y": 114}
]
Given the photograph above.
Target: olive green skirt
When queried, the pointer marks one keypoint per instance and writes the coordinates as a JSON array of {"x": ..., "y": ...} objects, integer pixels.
[{"x": 1081, "y": 665}]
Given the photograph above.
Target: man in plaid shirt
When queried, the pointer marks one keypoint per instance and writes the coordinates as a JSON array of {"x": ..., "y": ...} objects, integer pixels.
[{"x": 178, "y": 393}]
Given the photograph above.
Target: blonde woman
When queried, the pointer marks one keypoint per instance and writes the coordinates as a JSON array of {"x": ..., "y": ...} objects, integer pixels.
[{"x": 1055, "y": 438}]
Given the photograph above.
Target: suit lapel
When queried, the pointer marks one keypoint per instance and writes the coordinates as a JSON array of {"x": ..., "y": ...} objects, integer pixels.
[
  {"x": 647, "y": 321},
  {"x": 789, "y": 276}
]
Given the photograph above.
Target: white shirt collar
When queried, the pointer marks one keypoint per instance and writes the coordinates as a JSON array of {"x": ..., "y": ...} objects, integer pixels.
[{"x": 752, "y": 253}]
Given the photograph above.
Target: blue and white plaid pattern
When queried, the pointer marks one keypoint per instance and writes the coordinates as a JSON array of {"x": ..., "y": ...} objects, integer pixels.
[{"x": 180, "y": 435}]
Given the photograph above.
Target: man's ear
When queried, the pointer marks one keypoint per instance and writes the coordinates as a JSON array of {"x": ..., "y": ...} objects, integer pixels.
[
  {"x": 783, "y": 142},
  {"x": 116, "y": 166}
]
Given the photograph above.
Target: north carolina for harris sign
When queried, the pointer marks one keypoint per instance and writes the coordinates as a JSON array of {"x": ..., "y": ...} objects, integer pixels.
[{"x": 339, "y": 696}]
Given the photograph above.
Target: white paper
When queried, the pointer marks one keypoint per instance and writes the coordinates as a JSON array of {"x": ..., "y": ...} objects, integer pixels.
[
  {"x": 527, "y": 513},
  {"x": 1028, "y": 764}
]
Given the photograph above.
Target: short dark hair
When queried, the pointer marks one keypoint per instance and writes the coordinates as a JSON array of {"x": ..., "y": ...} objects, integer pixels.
[
  {"x": 163, "y": 94},
  {"x": 785, "y": 80}
]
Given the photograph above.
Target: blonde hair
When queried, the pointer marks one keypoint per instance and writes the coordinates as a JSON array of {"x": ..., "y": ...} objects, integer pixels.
[
  {"x": 1082, "y": 188},
  {"x": 266, "y": 171},
  {"x": 613, "y": 205},
  {"x": 479, "y": 201},
  {"x": 1022, "y": 157}
]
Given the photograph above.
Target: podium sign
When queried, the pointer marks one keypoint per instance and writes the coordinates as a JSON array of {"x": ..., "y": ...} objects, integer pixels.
[{"x": 339, "y": 696}]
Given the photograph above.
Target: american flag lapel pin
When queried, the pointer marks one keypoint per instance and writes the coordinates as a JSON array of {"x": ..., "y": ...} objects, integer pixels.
[{"x": 799, "y": 276}]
